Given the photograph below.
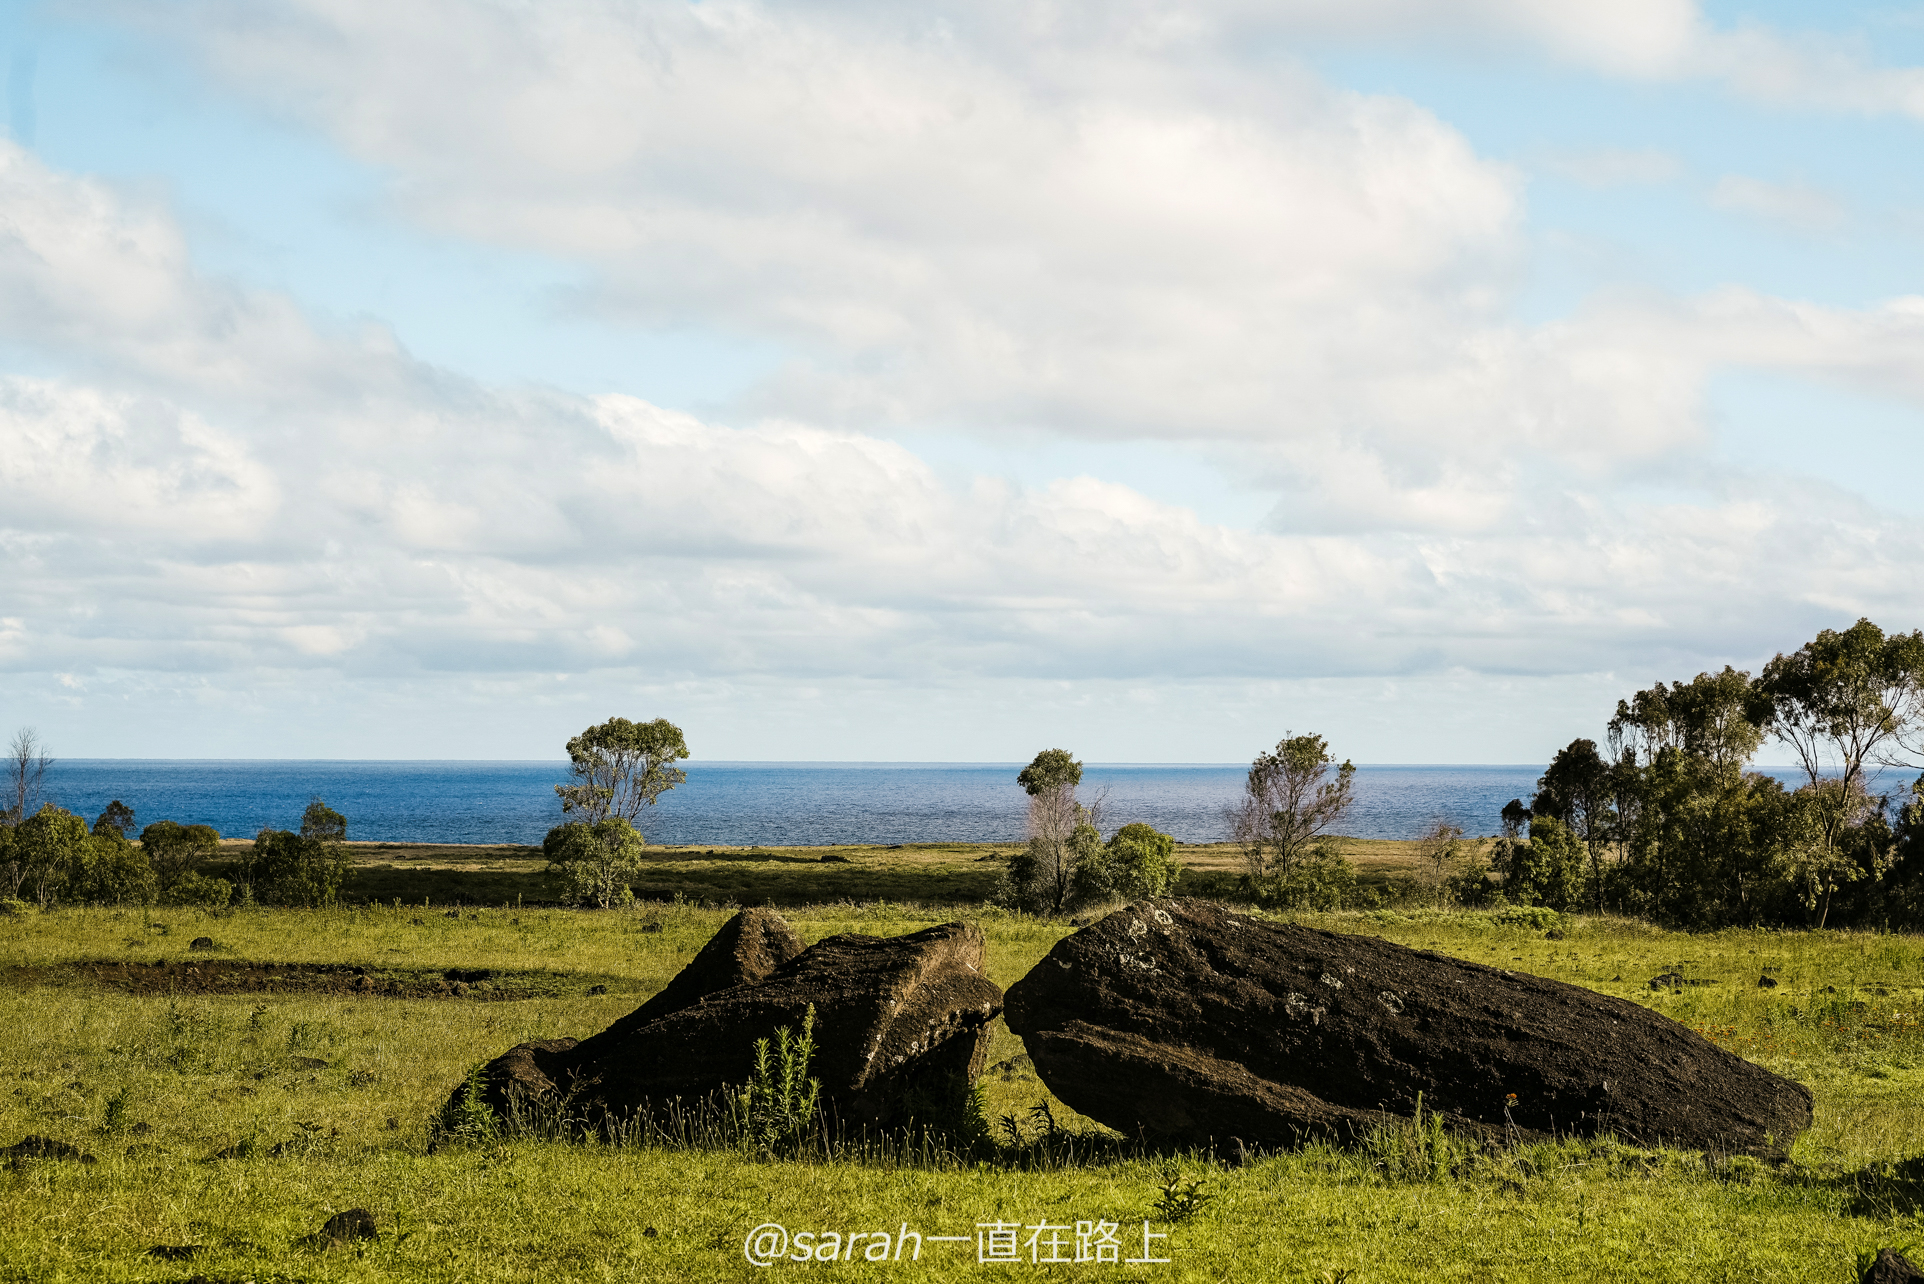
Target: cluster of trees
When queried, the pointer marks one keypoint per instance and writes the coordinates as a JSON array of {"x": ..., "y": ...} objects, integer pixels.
[
  {"x": 1067, "y": 862},
  {"x": 618, "y": 768},
  {"x": 1665, "y": 822},
  {"x": 50, "y": 856}
]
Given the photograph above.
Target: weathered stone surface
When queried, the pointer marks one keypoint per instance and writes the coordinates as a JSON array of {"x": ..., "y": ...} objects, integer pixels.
[
  {"x": 897, "y": 1019},
  {"x": 1890, "y": 1267},
  {"x": 1190, "y": 1024},
  {"x": 748, "y": 947}
]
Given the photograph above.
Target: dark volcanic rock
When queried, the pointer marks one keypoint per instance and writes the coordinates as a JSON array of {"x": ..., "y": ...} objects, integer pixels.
[
  {"x": 748, "y": 948},
  {"x": 344, "y": 1228},
  {"x": 1890, "y": 1267},
  {"x": 29, "y": 1148},
  {"x": 1190, "y": 1024},
  {"x": 201, "y": 943},
  {"x": 895, "y": 1017}
]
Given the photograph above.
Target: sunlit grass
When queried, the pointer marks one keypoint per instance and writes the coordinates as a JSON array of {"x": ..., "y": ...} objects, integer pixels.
[{"x": 343, "y": 1087}]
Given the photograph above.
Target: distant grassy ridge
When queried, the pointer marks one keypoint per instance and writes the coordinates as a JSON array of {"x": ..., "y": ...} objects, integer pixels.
[{"x": 926, "y": 873}]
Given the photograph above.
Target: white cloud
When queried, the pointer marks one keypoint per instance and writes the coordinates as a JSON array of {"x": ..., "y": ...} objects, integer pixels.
[
  {"x": 1798, "y": 206},
  {"x": 1607, "y": 167},
  {"x": 1070, "y": 236}
]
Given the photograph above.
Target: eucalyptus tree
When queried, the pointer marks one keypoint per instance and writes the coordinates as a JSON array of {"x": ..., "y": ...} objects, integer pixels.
[{"x": 621, "y": 767}]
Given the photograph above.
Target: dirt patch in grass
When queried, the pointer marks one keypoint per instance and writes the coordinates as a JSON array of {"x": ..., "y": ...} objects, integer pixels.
[{"x": 348, "y": 980}]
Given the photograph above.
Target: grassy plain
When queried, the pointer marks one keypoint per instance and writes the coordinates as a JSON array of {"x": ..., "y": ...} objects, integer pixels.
[
  {"x": 927, "y": 873},
  {"x": 319, "y": 1102}
]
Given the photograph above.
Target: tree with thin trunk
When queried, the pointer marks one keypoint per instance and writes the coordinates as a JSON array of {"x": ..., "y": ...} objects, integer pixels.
[
  {"x": 26, "y": 785},
  {"x": 1289, "y": 805},
  {"x": 1061, "y": 832},
  {"x": 1845, "y": 702}
]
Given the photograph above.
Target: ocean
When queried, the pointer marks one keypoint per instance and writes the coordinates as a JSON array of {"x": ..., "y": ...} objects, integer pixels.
[{"x": 744, "y": 803}]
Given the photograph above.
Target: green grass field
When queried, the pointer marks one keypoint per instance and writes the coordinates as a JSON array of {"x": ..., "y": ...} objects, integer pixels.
[
  {"x": 927, "y": 873},
  {"x": 239, "y": 1122}
]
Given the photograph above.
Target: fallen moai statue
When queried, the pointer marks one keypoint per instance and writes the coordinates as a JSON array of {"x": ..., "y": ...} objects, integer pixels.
[
  {"x": 897, "y": 1020},
  {"x": 1189, "y": 1024}
]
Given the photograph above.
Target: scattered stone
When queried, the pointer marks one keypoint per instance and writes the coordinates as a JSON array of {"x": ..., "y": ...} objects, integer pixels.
[
  {"x": 201, "y": 943},
  {"x": 1766, "y": 982},
  {"x": 597, "y": 989},
  {"x": 1186, "y": 1023},
  {"x": 344, "y": 1228},
  {"x": 1667, "y": 981},
  {"x": 360, "y": 1079},
  {"x": 650, "y": 1233},
  {"x": 1890, "y": 1267},
  {"x": 31, "y": 1148}
]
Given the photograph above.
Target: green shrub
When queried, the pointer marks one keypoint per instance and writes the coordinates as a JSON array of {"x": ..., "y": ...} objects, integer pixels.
[
  {"x": 1137, "y": 861},
  {"x": 199, "y": 892},
  {"x": 177, "y": 852},
  {"x": 597, "y": 862},
  {"x": 1321, "y": 879}
]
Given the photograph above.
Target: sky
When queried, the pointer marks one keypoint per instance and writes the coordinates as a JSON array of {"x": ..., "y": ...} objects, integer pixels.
[{"x": 941, "y": 382}]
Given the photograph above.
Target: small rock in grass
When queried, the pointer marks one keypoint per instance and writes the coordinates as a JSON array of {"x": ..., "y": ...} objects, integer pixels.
[
  {"x": 1667, "y": 981},
  {"x": 344, "y": 1228},
  {"x": 43, "y": 1148},
  {"x": 1766, "y": 982},
  {"x": 650, "y": 1233},
  {"x": 201, "y": 943},
  {"x": 1890, "y": 1267},
  {"x": 597, "y": 989}
]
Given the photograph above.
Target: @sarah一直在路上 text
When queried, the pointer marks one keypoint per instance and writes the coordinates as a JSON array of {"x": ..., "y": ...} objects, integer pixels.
[{"x": 1041, "y": 1242}]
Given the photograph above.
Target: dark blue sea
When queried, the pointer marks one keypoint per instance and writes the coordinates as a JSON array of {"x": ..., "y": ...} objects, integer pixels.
[{"x": 743, "y": 803}]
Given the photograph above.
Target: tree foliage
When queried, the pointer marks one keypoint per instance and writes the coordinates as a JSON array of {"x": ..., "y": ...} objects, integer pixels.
[
  {"x": 596, "y": 862},
  {"x": 1137, "y": 861},
  {"x": 52, "y": 858},
  {"x": 621, "y": 767},
  {"x": 178, "y": 851},
  {"x": 1063, "y": 835},
  {"x": 1286, "y": 817},
  {"x": 304, "y": 869},
  {"x": 1673, "y": 827}
]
